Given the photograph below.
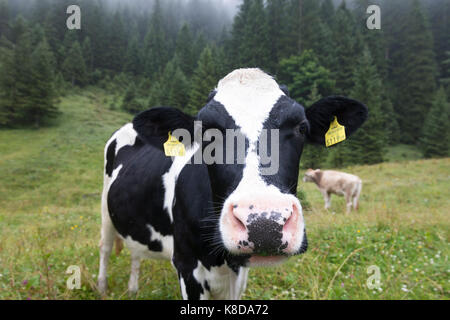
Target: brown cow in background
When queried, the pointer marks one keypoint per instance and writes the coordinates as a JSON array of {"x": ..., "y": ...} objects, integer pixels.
[{"x": 336, "y": 182}]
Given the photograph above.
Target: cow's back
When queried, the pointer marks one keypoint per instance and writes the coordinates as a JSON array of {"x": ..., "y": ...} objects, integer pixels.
[{"x": 339, "y": 182}]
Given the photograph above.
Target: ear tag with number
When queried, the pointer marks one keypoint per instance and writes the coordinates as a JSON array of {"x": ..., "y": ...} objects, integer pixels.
[
  {"x": 173, "y": 147},
  {"x": 335, "y": 134}
]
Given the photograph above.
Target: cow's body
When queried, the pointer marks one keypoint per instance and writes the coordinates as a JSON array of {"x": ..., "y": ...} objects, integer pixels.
[
  {"x": 146, "y": 222},
  {"x": 335, "y": 182},
  {"x": 212, "y": 220}
]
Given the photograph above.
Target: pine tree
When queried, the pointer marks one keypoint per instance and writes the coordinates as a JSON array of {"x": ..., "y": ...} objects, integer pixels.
[
  {"x": 375, "y": 39},
  {"x": 42, "y": 91},
  {"x": 4, "y": 18},
  {"x": 445, "y": 81},
  {"x": 251, "y": 47},
  {"x": 367, "y": 146},
  {"x": 87, "y": 54},
  {"x": 74, "y": 67},
  {"x": 327, "y": 13},
  {"x": 156, "y": 95},
  {"x": 176, "y": 86},
  {"x": 435, "y": 138},
  {"x": 204, "y": 80},
  {"x": 184, "y": 51},
  {"x": 7, "y": 82},
  {"x": 255, "y": 49},
  {"x": 278, "y": 32},
  {"x": 18, "y": 28},
  {"x": 130, "y": 102},
  {"x": 347, "y": 43},
  {"x": 21, "y": 84},
  {"x": 95, "y": 26},
  {"x": 117, "y": 44},
  {"x": 199, "y": 45},
  {"x": 415, "y": 74},
  {"x": 237, "y": 33},
  {"x": 70, "y": 37},
  {"x": 439, "y": 13},
  {"x": 155, "y": 44},
  {"x": 133, "y": 61},
  {"x": 302, "y": 73}
]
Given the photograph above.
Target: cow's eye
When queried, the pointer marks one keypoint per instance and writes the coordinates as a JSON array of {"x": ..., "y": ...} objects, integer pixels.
[{"x": 301, "y": 128}]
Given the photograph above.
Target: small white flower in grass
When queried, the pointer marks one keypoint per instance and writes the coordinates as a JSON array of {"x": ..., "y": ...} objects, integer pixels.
[{"x": 94, "y": 275}]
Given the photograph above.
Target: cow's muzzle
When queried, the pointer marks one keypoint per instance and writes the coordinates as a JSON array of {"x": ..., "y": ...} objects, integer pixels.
[{"x": 263, "y": 227}]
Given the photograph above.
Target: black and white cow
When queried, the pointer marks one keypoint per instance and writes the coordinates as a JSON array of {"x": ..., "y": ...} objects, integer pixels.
[{"x": 214, "y": 221}]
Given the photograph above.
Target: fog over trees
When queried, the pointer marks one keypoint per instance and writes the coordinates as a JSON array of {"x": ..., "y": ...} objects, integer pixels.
[{"x": 173, "y": 52}]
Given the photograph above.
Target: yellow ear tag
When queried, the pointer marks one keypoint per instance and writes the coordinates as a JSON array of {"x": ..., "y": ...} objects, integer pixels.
[
  {"x": 173, "y": 147},
  {"x": 335, "y": 134}
]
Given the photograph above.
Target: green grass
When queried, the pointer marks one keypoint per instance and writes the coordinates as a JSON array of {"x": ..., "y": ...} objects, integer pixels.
[{"x": 50, "y": 185}]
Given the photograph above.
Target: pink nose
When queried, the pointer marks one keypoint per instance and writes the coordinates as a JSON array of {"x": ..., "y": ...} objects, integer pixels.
[{"x": 263, "y": 226}]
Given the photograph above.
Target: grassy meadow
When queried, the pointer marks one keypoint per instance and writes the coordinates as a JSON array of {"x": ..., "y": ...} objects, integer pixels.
[{"x": 50, "y": 187}]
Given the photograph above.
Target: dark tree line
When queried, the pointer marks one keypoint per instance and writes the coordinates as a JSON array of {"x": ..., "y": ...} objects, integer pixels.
[{"x": 173, "y": 52}]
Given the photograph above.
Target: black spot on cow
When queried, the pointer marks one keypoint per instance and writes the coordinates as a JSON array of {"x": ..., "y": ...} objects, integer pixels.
[
  {"x": 275, "y": 216},
  {"x": 110, "y": 153}
]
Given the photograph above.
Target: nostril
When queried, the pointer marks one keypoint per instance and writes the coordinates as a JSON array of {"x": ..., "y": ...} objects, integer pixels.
[
  {"x": 291, "y": 223},
  {"x": 235, "y": 221}
]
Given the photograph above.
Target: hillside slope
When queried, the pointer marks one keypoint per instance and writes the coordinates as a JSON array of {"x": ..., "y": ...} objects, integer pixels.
[{"x": 50, "y": 189}]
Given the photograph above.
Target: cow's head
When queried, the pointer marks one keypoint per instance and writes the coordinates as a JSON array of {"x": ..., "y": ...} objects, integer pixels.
[
  {"x": 259, "y": 214},
  {"x": 310, "y": 175}
]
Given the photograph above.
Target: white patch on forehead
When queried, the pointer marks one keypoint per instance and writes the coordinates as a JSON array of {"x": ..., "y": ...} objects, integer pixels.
[{"x": 248, "y": 95}]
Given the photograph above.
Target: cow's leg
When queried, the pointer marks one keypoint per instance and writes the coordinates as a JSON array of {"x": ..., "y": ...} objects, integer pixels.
[
  {"x": 240, "y": 284},
  {"x": 133, "y": 284},
  {"x": 348, "y": 201},
  {"x": 356, "y": 196},
  {"x": 327, "y": 198},
  {"x": 108, "y": 234},
  {"x": 191, "y": 288}
]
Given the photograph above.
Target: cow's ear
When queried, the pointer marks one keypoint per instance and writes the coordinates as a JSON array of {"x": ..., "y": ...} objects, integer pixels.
[
  {"x": 158, "y": 122},
  {"x": 350, "y": 113}
]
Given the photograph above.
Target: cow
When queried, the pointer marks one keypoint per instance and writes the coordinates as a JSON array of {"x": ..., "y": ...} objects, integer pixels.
[
  {"x": 214, "y": 221},
  {"x": 340, "y": 183}
]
